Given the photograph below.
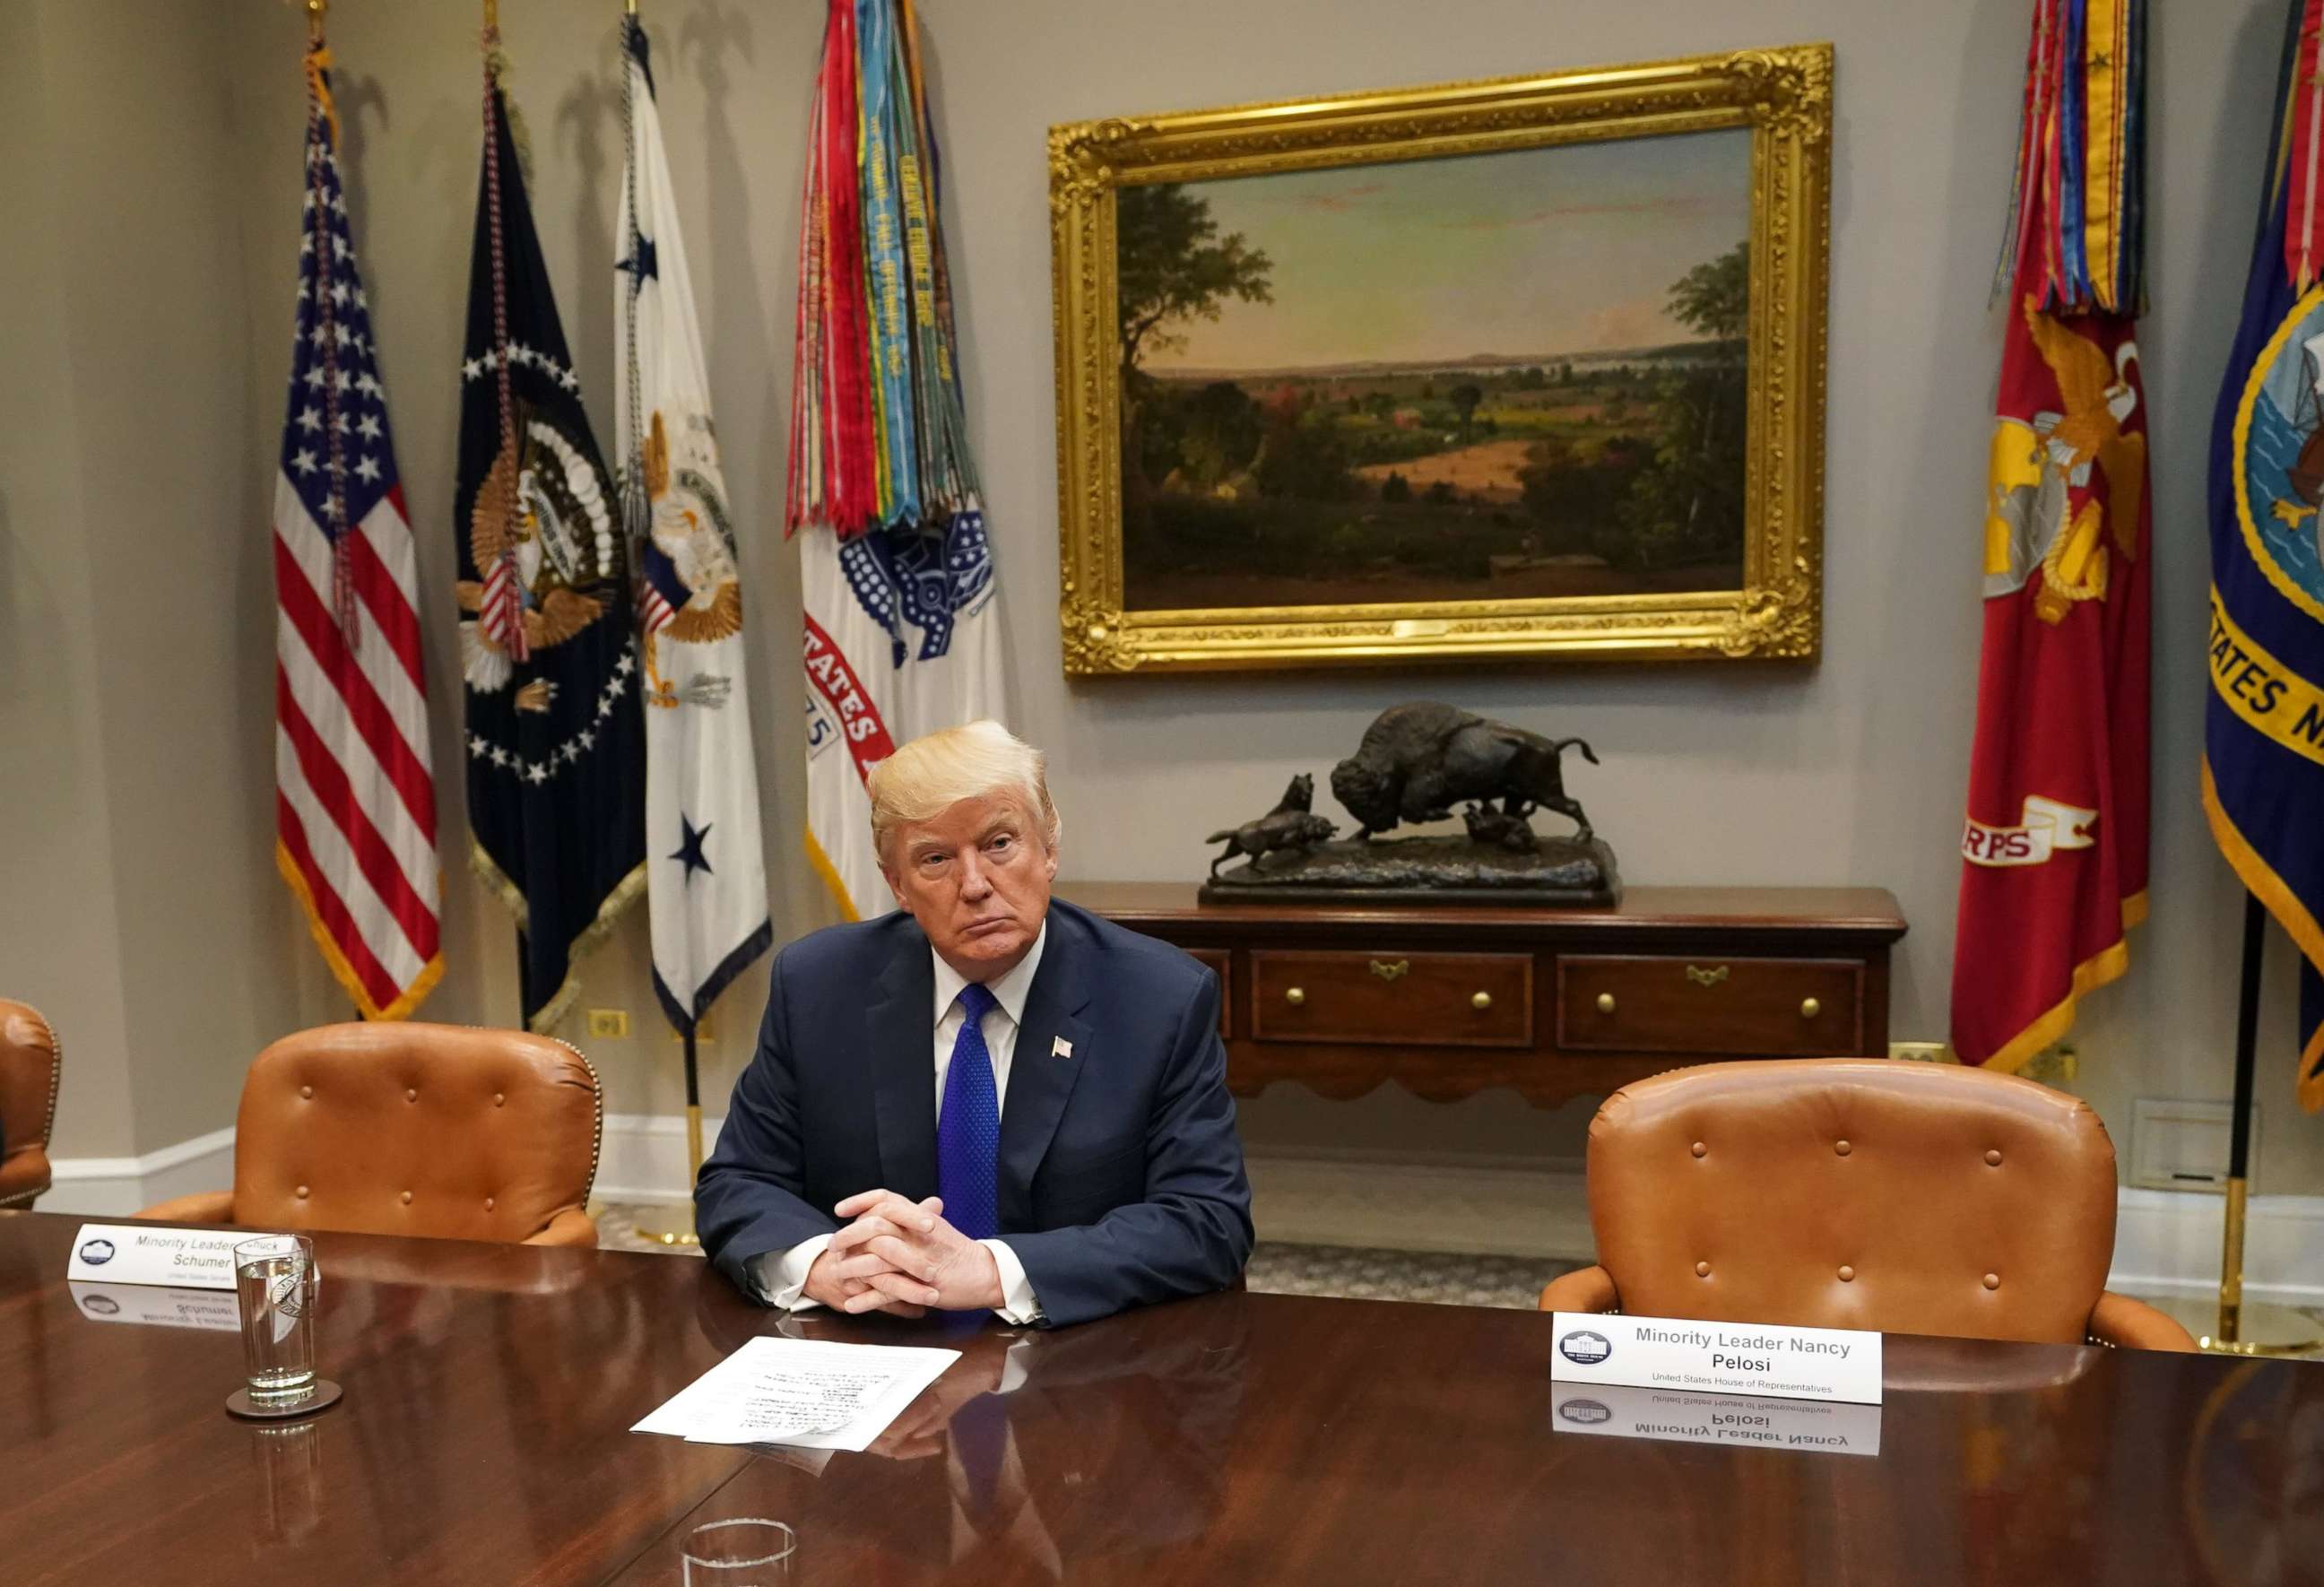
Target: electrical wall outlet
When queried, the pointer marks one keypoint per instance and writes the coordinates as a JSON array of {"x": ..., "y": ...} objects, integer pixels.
[
  {"x": 1923, "y": 1052},
  {"x": 609, "y": 1022}
]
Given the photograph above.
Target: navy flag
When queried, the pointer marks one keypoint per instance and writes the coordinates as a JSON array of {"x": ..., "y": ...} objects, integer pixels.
[
  {"x": 556, "y": 746},
  {"x": 2264, "y": 728}
]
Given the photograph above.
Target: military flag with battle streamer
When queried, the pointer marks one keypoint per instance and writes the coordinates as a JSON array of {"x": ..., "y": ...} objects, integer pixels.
[
  {"x": 2264, "y": 722},
  {"x": 555, "y": 736},
  {"x": 2054, "y": 846},
  {"x": 707, "y": 887},
  {"x": 903, "y": 634}
]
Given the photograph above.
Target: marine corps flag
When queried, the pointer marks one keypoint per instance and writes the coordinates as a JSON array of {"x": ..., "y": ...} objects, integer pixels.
[
  {"x": 556, "y": 752},
  {"x": 708, "y": 888},
  {"x": 2264, "y": 722},
  {"x": 896, "y": 572},
  {"x": 2055, "y": 844}
]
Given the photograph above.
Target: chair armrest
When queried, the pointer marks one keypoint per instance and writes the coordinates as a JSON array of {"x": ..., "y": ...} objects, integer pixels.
[
  {"x": 24, "y": 1177},
  {"x": 1585, "y": 1290},
  {"x": 570, "y": 1227},
  {"x": 2132, "y": 1324},
  {"x": 210, "y": 1206}
]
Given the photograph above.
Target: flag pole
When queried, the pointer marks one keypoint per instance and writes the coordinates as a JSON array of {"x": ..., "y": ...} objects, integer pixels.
[{"x": 2232, "y": 1327}]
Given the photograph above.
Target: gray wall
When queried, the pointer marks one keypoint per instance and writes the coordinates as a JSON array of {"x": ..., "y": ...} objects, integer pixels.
[{"x": 1848, "y": 772}]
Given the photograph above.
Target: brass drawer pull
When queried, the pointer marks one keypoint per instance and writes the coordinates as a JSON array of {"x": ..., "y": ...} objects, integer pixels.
[
  {"x": 1483, "y": 999},
  {"x": 1706, "y": 977},
  {"x": 1810, "y": 1008},
  {"x": 1295, "y": 997},
  {"x": 1605, "y": 1002},
  {"x": 1389, "y": 972}
]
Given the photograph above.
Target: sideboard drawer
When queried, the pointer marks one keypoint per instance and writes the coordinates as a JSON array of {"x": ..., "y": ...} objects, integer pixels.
[
  {"x": 1717, "y": 1007},
  {"x": 1221, "y": 963},
  {"x": 1390, "y": 998}
]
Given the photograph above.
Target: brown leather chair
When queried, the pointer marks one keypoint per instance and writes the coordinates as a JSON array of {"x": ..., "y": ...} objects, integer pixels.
[
  {"x": 30, "y": 1067},
  {"x": 1857, "y": 1193},
  {"x": 404, "y": 1128}
]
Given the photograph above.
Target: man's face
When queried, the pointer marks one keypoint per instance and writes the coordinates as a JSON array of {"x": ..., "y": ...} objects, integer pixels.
[{"x": 976, "y": 877}]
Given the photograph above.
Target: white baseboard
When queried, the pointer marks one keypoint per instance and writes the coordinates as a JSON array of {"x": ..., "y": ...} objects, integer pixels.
[
  {"x": 115, "y": 1187},
  {"x": 643, "y": 1157},
  {"x": 2166, "y": 1241}
]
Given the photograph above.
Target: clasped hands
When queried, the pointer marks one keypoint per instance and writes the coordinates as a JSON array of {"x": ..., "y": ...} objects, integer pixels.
[{"x": 900, "y": 1256}]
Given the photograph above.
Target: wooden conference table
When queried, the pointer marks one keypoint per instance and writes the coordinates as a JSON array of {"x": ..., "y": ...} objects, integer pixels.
[{"x": 1236, "y": 1439}]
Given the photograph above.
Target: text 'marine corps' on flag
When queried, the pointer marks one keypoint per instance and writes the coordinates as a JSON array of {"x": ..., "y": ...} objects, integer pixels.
[
  {"x": 2054, "y": 846},
  {"x": 902, "y": 636},
  {"x": 355, "y": 796},
  {"x": 707, "y": 887},
  {"x": 2264, "y": 718},
  {"x": 556, "y": 751}
]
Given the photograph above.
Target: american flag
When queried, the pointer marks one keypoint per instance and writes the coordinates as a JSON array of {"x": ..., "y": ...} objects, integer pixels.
[{"x": 354, "y": 799}]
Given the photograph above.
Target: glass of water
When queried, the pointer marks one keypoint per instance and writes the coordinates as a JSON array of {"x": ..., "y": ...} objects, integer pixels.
[
  {"x": 741, "y": 1553},
  {"x": 275, "y": 1282}
]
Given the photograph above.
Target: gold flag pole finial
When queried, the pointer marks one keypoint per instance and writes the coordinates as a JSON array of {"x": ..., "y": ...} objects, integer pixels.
[
  {"x": 630, "y": 7},
  {"x": 492, "y": 17},
  {"x": 315, "y": 9}
]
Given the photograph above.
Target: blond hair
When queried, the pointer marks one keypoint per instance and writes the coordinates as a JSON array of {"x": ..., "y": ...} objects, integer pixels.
[{"x": 978, "y": 760}]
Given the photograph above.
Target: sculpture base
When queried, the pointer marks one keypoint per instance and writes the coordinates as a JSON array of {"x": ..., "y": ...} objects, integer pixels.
[{"x": 1560, "y": 873}]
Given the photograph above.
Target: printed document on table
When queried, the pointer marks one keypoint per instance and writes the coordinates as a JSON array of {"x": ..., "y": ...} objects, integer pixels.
[{"x": 801, "y": 1392}]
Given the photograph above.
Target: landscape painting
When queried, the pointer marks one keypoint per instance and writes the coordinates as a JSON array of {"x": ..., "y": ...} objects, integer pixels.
[
  {"x": 1526, "y": 368},
  {"x": 1499, "y": 377}
]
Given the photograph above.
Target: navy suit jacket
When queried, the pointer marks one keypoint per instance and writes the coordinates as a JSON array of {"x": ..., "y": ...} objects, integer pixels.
[{"x": 1120, "y": 1175}]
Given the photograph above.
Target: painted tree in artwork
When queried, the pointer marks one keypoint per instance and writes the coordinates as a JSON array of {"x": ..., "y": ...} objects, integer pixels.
[
  {"x": 1689, "y": 505},
  {"x": 1174, "y": 266}
]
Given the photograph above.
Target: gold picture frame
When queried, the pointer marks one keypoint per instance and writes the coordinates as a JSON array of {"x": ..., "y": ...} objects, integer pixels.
[{"x": 1782, "y": 96}]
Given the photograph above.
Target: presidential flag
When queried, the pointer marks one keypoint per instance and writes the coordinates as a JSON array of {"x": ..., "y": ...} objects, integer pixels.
[
  {"x": 902, "y": 636},
  {"x": 354, "y": 804},
  {"x": 709, "y": 885},
  {"x": 2055, "y": 844},
  {"x": 2264, "y": 720},
  {"x": 556, "y": 744}
]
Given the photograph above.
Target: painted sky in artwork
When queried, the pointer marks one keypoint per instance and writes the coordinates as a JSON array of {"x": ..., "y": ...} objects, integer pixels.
[{"x": 1541, "y": 250}]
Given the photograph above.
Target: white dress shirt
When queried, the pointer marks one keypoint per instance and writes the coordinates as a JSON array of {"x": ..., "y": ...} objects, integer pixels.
[{"x": 784, "y": 1278}]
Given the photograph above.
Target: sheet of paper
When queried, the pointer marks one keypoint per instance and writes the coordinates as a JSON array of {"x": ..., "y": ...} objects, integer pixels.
[{"x": 804, "y": 1393}]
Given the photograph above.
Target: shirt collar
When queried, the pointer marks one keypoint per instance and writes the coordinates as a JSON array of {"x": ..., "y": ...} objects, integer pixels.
[{"x": 1010, "y": 990}]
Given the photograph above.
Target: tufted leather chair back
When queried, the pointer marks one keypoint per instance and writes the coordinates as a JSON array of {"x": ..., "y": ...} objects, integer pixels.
[
  {"x": 393, "y": 1128},
  {"x": 1855, "y": 1193},
  {"x": 30, "y": 1067}
]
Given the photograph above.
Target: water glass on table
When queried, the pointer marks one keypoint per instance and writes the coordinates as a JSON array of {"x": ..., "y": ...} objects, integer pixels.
[
  {"x": 746, "y": 1552},
  {"x": 276, "y": 1283}
]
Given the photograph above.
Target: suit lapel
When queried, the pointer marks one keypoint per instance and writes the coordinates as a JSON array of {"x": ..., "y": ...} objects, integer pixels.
[
  {"x": 903, "y": 1071},
  {"x": 1040, "y": 1078}
]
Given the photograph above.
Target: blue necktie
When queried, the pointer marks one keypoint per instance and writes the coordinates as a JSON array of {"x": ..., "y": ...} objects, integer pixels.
[{"x": 968, "y": 1131}]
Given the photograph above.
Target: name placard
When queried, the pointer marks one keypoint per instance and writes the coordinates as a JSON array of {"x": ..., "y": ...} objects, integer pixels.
[
  {"x": 135, "y": 1253},
  {"x": 1676, "y": 1417},
  {"x": 1756, "y": 1359}
]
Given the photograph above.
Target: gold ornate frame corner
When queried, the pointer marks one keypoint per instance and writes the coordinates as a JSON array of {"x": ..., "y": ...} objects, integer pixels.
[{"x": 1782, "y": 95}]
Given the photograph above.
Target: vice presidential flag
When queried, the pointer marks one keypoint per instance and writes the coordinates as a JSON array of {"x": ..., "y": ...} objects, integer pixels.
[
  {"x": 556, "y": 746},
  {"x": 2264, "y": 722},
  {"x": 354, "y": 804},
  {"x": 2054, "y": 842},
  {"x": 902, "y": 636},
  {"x": 707, "y": 886}
]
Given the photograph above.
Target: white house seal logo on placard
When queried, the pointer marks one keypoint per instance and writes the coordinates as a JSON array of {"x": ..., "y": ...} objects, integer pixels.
[
  {"x": 1589, "y": 1412},
  {"x": 96, "y": 1252},
  {"x": 1583, "y": 1348}
]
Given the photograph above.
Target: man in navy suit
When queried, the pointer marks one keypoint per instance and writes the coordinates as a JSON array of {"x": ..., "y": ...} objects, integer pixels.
[{"x": 987, "y": 1099}]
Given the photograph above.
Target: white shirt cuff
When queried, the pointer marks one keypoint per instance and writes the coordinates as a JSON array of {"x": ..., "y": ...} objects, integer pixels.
[
  {"x": 783, "y": 1279},
  {"x": 1019, "y": 1304}
]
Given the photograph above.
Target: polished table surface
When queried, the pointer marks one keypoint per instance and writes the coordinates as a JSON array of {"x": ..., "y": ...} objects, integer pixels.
[{"x": 1239, "y": 1438}]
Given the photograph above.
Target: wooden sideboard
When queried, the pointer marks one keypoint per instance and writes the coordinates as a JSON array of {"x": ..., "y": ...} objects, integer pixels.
[{"x": 1555, "y": 1004}]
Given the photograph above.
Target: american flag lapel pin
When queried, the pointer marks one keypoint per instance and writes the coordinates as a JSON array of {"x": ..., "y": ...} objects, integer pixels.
[{"x": 1061, "y": 1048}]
